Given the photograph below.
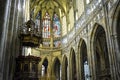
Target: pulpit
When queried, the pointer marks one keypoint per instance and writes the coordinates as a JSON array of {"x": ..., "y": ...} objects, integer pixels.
[{"x": 27, "y": 66}]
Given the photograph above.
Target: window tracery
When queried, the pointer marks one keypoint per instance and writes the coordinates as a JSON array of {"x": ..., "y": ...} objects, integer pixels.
[{"x": 46, "y": 26}]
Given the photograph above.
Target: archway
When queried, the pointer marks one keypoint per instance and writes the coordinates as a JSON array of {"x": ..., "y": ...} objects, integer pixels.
[
  {"x": 44, "y": 67},
  {"x": 101, "y": 56},
  {"x": 116, "y": 30},
  {"x": 57, "y": 69},
  {"x": 65, "y": 68},
  {"x": 84, "y": 66},
  {"x": 73, "y": 71},
  {"x": 116, "y": 38}
]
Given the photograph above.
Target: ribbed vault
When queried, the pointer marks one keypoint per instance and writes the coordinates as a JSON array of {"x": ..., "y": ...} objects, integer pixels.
[{"x": 50, "y": 6}]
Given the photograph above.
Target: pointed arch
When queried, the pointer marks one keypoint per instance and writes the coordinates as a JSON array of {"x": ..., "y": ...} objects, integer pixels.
[
  {"x": 72, "y": 65},
  {"x": 57, "y": 68},
  {"x": 116, "y": 28},
  {"x": 83, "y": 59},
  {"x": 80, "y": 42},
  {"x": 100, "y": 53},
  {"x": 55, "y": 59},
  {"x": 95, "y": 26},
  {"x": 44, "y": 67},
  {"x": 64, "y": 68}
]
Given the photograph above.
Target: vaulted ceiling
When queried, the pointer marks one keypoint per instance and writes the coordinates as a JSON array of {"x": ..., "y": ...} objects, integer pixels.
[{"x": 50, "y": 6}]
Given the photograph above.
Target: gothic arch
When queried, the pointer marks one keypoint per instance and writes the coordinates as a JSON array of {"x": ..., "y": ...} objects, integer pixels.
[
  {"x": 80, "y": 43},
  {"x": 72, "y": 65},
  {"x": 116, "y": 30},
  {"x": 115, "y": 27},
  {"x": 53, "y": 63},
  {"x": 44, "y": 58},
  {"x": 100, "y": 53},
  {"x": 83, "y": 60},
  {"x": 116, "y": 17},
  {"x": 44, "y": 67},
  {"x": 65, "y": 68},
  {"x": 57, "y": 68},
  {"x": 95, "y": 27}
]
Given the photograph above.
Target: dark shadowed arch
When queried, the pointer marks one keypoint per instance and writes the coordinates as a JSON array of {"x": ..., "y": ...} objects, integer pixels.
[
  {"x": 57, "y": 69},
  {"x": 116, "y": 30},
  {"x": 65, "y": 68},
  {"x": 72, "y": 69},
  {"x": 100, "y": 53},
  {"x": 44, "y": 67},
  {"x": 84, "y": 66}
]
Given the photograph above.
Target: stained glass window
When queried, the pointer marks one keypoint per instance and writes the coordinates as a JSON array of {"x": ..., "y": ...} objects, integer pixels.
[
  {"x": 37, "y": 21},
  {"x": 46, "y": 26},
  {"x": 46, "y": 44},
  {"x": 47, "y": 29},
  {"x": 57, "y": 43},
  {"x": 56, "y": 26},
  {"x": 64, "y": 27}
]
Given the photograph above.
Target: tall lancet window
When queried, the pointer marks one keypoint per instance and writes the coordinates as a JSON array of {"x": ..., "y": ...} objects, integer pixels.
[
  {"x": 56, "y": 30},
  {"x": 46, "y": 26},
  {"x": 37, "y": 21},
  {"x": 56, "y": 26}
]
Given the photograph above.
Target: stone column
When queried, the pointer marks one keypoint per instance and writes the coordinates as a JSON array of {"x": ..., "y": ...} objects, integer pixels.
[
  {"x": 3, "y": 21},
  {"x": 70, "y": 69},
  {"x": 90, "y": 58},
  {"x": 50, "y": 71},
  {"x": 51, "y": 34},
  {"x": 63, "y": 70},
  {"x": 9, "y": 40},
  {"x": 112, "y": 57},
  {"x": 78, "y": 66},
  {"x": 6, "y": 7},
  {"x": 25, "y": 14}
]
